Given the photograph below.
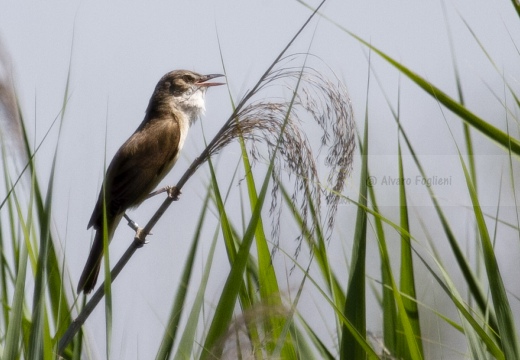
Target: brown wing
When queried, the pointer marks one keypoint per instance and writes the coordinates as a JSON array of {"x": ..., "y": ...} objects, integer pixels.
[{"x": 138, "y": 166}]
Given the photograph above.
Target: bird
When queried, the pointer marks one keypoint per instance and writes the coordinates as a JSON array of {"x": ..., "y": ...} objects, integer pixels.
[{"x": 146, "y": 157}]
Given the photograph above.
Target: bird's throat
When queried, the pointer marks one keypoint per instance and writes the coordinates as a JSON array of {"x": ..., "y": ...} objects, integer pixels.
[{"x": 191, "y": 105}]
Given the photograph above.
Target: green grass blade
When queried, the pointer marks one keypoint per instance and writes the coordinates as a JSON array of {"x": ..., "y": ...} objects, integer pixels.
[
  {"x": 319, "y": 250},
  {"x": 413, "y": 348},
  {"x": 465, "y": 114},
  {"x": 59, "y": 304},
  {"x": 6, "y": 274},
  {"x": 233, "y": 287},
  {"x": 226, "y": 227},
  {"x": 187, "y": 340},
  {"x": 412, "y": 345},
  {"x": 466, "y": 128},
  {"x": 47, "y": 269},
  {"x": 361, "y": 340},
  {"x": 39, "y": 313},
  {"x": 389, "y": 306},
  {"x": 467, "y": 314},
  {"x": 225, "y": 306},
  {"x": 407, "y": 278},
  {"x": 57, "y": 297},
  {"x": 516, "y": 5},
  {"x": 505, "y": 318},
  {"x": 107, "y": 283},
  {"x": 268, "y": 284},
  {"x": 224, "y": 309},
  {"x": 470, "y": 278},
  {"x": 319, "y": 346},
  {"x": 14, "y": 325},
  {"x": 170, "y": 332},
  {"x": 355, "y": 303},
  {"x": 288, "y": 324}
]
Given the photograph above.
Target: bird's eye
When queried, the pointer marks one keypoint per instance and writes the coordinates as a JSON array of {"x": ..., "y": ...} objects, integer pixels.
[{"x": 187, "y": 78}]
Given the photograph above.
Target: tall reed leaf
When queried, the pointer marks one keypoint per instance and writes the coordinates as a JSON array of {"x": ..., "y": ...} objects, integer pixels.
[
  {"x": 506, "y": 326},
  {"x": 14, "y": 325},
  {"x": 355, "y": 302},
  {"x": 169, "y": 336},
  {"x": 407, "y": 268}
]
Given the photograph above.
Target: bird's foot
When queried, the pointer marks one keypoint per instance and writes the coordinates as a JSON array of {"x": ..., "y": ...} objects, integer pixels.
[
  {"x": 140, "y": 237},
  {"x": 133, "y": 225},
  {"x": 173, "y": 192}
]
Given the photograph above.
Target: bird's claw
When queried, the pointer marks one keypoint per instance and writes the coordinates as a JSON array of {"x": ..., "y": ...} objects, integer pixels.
[
  {"x": 173, "y": 192},
  {"x": 140, "y": 237}
]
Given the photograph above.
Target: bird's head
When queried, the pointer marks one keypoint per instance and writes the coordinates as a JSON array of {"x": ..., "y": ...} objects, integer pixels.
[{"x": 183, "y": 90}]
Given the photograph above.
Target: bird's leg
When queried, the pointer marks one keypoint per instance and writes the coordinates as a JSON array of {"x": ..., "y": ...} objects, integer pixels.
[
  {"x": 133, "y": 225},
  {"x": 173, "y": 192},
  {"x": 157, "y": 192}
]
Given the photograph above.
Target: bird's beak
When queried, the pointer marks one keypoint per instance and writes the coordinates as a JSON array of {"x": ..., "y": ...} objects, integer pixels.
[{"x": 204, "y": 78}]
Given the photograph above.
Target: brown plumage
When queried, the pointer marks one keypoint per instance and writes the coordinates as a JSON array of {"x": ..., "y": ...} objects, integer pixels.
[{"x": 146, "y": 157}]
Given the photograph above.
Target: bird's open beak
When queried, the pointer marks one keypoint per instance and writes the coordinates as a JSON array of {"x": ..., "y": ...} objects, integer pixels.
[{"x": 203, "y": 79}]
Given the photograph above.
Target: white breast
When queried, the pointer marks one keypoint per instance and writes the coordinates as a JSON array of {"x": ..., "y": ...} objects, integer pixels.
[{"x": 192, "y": 106}]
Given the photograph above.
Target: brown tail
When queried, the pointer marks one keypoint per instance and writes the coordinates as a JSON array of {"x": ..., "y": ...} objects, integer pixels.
[{"x": 90, "y": 273}]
